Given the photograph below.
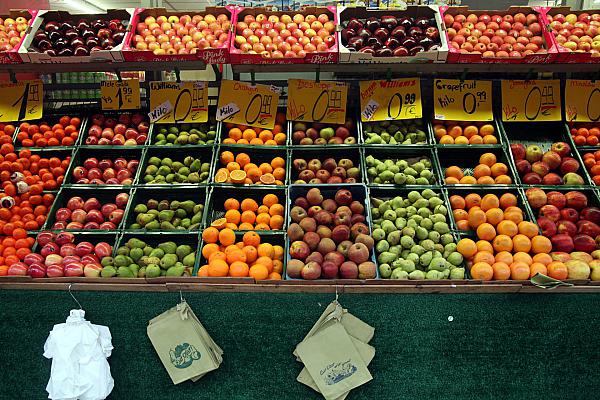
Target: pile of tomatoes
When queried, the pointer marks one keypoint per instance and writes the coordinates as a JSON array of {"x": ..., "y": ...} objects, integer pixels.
[{"x": 43, "y": 134}]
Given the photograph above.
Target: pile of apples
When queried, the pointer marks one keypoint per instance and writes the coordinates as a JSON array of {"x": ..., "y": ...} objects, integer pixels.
[
  {"x": 11, "y": 32},
  {"x": 90, "y": 213},
  {"x": 286, "y": 36},
  {"x": 106, "y": 171},
  {"x": 127, "y": 130},
  {"x": 181, "y": 35},
  {"x": 499, "y": 36},
  {"x": 553, "y": 167},
  {"x": 577, "y": 33}
]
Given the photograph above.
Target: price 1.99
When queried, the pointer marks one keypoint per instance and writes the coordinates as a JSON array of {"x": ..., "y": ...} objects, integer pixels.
[{"x": 21, "y": 101}]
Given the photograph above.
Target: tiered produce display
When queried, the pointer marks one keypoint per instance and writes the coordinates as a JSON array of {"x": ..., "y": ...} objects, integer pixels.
[{"x": 105, "y": 193}]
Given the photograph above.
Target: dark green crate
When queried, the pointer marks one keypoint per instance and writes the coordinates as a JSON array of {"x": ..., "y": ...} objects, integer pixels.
[
  {"x": 143, "y": 194},
  {"x": 223, "y": 132},
  {"x": 211, "y": 123},
  {"x": 103, "y": 194},
  {"x": 468, "y": 159},
  {"x": 218, "y": 194},
  {"x": 204, "y": 153},
  {"x": 353, "y": 131},
  {"x": 494, "y": 123},
  {"x": 83, "y": 153},
  {"x": 401, "y": 153},
  {"x": 363, "y": 127},
  {"x": 51, "y": 118},
  {"x": 94, "y": 237},
  {"x": 258, "y": 155},
  {"x": 593, "y": 195},
  {"x": 115, "y": 115},
  {"x": 353, "y": 153}
]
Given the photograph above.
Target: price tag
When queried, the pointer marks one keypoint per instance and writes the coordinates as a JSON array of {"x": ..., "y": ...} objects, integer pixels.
[
  {"x": 582, "y": 100},
  {"x": 467, "y": 100},
  {"x": 317, "y": 101},
  {"x": 531, "y": 100},
  {"x": 21, "y": 101},
  {"x": 390, "y": 100},
  {"x": 246, "y": 104},
  {"x": 189, "y": 101},
  {"x": 120, "y": 95}
]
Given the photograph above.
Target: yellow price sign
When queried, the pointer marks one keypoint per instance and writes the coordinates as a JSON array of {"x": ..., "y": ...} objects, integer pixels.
[
  {"x": 531, "y": 100},
  {"x": 390, "y": 100},
  {"x": 313, "y": 101},
  {"x": 246, "y": 104},
  {"x": 582, "y": 100},
  {"x": 457, "y": 100},
  {"x": 120, "y": 95},
  {"x": 178, "y": 102},
  {"x": 21, "y": 101}
]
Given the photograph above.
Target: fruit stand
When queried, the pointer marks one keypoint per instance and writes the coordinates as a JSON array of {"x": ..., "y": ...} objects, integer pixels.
[{"x": 453, "y": 216}]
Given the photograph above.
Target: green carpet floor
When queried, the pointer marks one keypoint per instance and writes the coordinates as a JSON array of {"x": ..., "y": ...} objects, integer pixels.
[{"x": 502, "y": 346}]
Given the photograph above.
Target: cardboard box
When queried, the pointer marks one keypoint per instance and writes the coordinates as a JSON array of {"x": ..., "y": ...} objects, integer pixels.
[
  {"x": 565, "y": 55},
  {"x": 218, "y": 55},
  {"x": 327, "y": 57},
  {"x": 455, "y": 56},
  {"x": 434, "y": 56},
  {"x": 29, "y": 54},
  {"x": 12, "y": 56}
]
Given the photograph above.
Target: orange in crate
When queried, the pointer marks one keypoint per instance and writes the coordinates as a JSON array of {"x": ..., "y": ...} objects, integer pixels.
[
  {"x": 249, "y": 215},
  {"x": 239, "y": 134},
  {"x": 239, "y": 169}
]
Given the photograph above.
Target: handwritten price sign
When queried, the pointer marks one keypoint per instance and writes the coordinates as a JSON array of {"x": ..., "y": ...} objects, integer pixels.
[
  {"x": 531, "y": 100},
  {"x": 246, "y": 104},
  {"x": 120, "y": 95},
  {"x": 467, "y": 100},
  {"x": 188, "y": 102},
  {"x": 317, "y": 101},
  {"x": 390, "y": 100},
  {"x": 21, "y": 101},
  {"x": 582, "y": 100}
]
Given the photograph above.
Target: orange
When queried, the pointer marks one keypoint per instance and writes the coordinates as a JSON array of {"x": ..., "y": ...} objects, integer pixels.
[
  {"x": 466, "y": 247},
  {"x": 489, "y": 201},
  {"x": 501, "y": 271},
  {"x": 446, "y": 139},
  {"x": 248, "y": 217},
  {"x": 219, "y": 223},
  {"x": 254, "y": 174},
  {"x": 210, "y": 235},
  {"x": 519, "y": 270},
  {"x": 262, "y": 227},
  {"x": 265, "y": 168},
  {"x": 484, "y": 256},
  {"x": 508, "y": 228},
  {"x": 275, "y": 276},
  {"x": 236, "y": 255},
  {"x": 237, "y": 176},
  {"x": 543, "y": 258},
  {"x": 451, "y": 181},
  {"x": 461, "y": 140},
  {"x": 522, "y": 257},
  {"x": 233, "y": 216},
  {"x": 251, "y": 239},
  {"x": 484, "y": 245},
  {"x": 468, "y": 180},
  {"x": 476, "y": 139},
  {"x": 248, "y": 166},
  {"x": 499, "y": 169},
  {"x": 266, "y": 261},
  {"x": 481, "y": 170},
  {"x": 266, "y": 250},
  {"x": 472, "y": 200},
  {"x": 265, "y": 135},
  {"x": 218, "y": 268},
  {"x": 536, "y": 268},
  {"x": 280, "y": 138},
  {"x": 227, "y": 237},
  {"x": 457, "y": 202},
  {"x": 482, "y": 271},
  {"x": 504, "y": 257},
  {"x": 557, "y": 270},
  {"x": 249, "y": 134},
  {"x": 476, "y": 218},
  {"x": 217, "y": 255},
  {"x": 490, "y": 139},
  {"x": 231, "y": 204},
  {"x": 502, "y": 243},
  {"x": 222, "y": 175},
  {"x": 486, "y": 231},
  {"x": 276, "y": 209},
  {"x": 488, "y": 159},
  {"x": 455, "y": 131},
  {"x": 494, "y": 216},
  {"x": 278, "y": 162},
  {"x": 515, "y": 216},
  {"x": 259, "y": 272},
  {"x": 276, "y": 222},
  {"x": 503, "y": 180},
  {"x": 485, "y": 180},
  {"x": 232, "y": 166},
  {"x": 486, "y": 130},
  {"x": 470, "y": 131},
  {"x": 541, "y": 244},
  {"x": 203, "y": 271},
  {"x": 528, "y": 229},
  {"x": 521, "y": 243},
  {"x": 251, "y": 254},
  {"x": 262, "y": 209},
  {"x": 263, "y": 218},
  {"x": 454, "y": 172},
  {"x": 208, "y": 249},
  {"x": 279, "y": 174},
  {"x": 235, "y": 133},
  {"x": 270, "y": 199},
  {"x": 278, "y": 252},
  {"x": 249, "y": 205},
  {"x": 460, "y": 215},
  {"x": 267, "y": 179},
  {"x": 245, "y": 226},
  {"x": 226, "y": 157},
  {"x": 239, "y": 269}
]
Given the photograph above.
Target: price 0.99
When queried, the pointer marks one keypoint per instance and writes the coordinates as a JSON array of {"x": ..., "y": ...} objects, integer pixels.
[
  {"x": 592, "y": 105},
  {"x": 539, "y": 101},
  {"x": 471, "y": 101},
  {"x": 396, "y": 100},
  {"x": 328, "y": 101}
]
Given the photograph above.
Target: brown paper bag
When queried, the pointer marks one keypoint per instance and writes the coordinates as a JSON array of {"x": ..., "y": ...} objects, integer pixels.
[
  {"x": 367, "y": 353},
  {"x": 333, "y": 361},
  {"x": 176, "y": 337}
]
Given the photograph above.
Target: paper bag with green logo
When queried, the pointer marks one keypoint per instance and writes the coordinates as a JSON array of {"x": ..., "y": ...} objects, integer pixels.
[
  {"x": 176, "y": 337},
  {"x": 333, "y": 361}
]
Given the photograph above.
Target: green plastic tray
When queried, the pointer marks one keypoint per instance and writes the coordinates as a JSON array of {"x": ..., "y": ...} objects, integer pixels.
[
  {"x": 258, "y": 155},
  {"x": 468, "y": 159},
  {"x": 204, "y": 153},
  {"x": 211, "y": 123},
  {"x": 364, "y": 126},
  {"x": 52, "y": 118},
  {"x": 222, "y": 134},
  {"x": 115, "y": 115},
  {"x": 497, "y": 132},
  {"x": 353, "y": 153}
]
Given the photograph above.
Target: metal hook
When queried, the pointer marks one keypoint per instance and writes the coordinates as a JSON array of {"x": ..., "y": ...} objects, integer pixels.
[
  {"x": 529, "y": 74},
  {"x": 252, "y": 78},
  {"x": 389, "y": 75},
  {"x": 318, "y": 74},
  {"x": 13, "y": 77},
  {"x": 118, "y": 75},
  {"x": 74, "y": 298},
  {"x": 177, "y": 75},
  {"x": 181, "y": 299},
  {"x": 463, "y": 76},
  {"x": 337, "y": 296}
]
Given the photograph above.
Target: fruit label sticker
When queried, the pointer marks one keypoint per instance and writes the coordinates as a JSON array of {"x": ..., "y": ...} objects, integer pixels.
[
  {"x": 390, "y": 100},
  {"x": 468, "y": 100},
  {"x": 21, "y": 101},
  {"x": 582, "y": 100},
  {"x": 531, "y": 100},
  {"x": 313, "y": 101},
  {"x": 188, "y": 100},
  {"x": 120, "y": 95},
  {"x": 246, "y": 104}
]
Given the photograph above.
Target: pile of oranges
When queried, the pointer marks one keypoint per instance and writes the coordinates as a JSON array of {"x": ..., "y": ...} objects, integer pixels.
[
  {"x": 248, "y": 215},
  {"x": 488, "y": 172},
  {"x": 240, "y": 170},
  {"x": 249, "y": 257},
  {"x": 508, "y": 247},
  {"x": 14, "y": 248},
  {"x": 592, "y": 163},
  {"x": 586, "y": 135},
  {"x": 63, "y": 133},
  {"x": 240, "y": 134},
  {"x": 452, "y": 132}
]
